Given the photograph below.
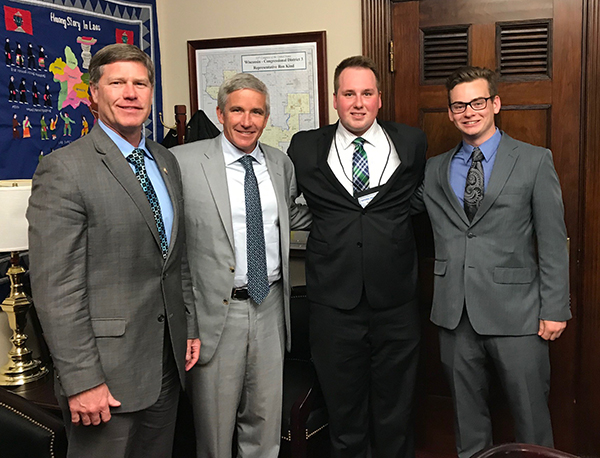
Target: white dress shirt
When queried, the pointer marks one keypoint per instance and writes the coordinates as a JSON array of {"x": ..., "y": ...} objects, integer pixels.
[
  {"x": 381, "y": 154},
  {"x": 237, "y": 201}
]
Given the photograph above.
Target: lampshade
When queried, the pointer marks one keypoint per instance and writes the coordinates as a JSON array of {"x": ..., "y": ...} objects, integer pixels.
[{"x": 14, "y": 196}]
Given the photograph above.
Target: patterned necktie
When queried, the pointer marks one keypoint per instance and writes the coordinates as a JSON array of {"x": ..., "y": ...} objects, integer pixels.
[
  {"x": 137, "y": 160},
  {"x": 475, "y": 184},
  {"x": 360, "y": 166},
  {"x": 258, "y": 281}
]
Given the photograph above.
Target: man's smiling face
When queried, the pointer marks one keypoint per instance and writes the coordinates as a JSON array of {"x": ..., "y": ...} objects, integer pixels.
[
  {"x": 124, "y": 98},
  {"x": 476, "y": 126},
  {"x": 244, "y": 118},
  {"x": 357, "y": 99}
]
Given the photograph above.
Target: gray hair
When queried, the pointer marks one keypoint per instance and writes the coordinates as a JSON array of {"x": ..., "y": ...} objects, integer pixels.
[
  {"x": 118, "y": 52},
  {"x": 242, "y": 81}
]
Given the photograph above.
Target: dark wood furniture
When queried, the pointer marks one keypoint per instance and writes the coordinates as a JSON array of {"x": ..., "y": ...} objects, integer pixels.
[
  {"x": 27, "y": 430},
  {"x": 521, "y": 451}
]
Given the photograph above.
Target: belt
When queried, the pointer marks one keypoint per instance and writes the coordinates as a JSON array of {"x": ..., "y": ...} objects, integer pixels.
[{"x": 241, "y": 294}]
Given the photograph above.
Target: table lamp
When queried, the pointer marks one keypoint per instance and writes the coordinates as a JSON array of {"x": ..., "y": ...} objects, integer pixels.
[{"x": 21, "y": 368}]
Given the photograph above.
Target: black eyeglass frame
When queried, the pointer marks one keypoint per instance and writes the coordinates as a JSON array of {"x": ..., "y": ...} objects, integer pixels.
[{"x": 468, "y": 104}]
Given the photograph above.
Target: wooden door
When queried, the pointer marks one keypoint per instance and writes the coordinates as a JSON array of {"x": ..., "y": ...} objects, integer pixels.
[{"x": 536, "y": 46}]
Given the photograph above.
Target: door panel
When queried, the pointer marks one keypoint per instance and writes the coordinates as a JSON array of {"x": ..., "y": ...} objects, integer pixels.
[
  {"x": 530, "y": 123},
  {"x": 540, "y": 105}
]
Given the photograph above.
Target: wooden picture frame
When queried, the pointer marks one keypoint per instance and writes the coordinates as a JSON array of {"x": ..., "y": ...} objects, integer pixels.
[{"x": 268, "y": 41}]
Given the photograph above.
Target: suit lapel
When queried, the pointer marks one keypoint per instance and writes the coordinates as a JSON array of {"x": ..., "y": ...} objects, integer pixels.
[
  {"x": 120, "y": 169},
  {"x": 276, "y": 174},
  {"x": 213, "y": 166},
  {"x": 275, "y": 168},
  {"x": 401, "y": 151},
  {"x": 444, "y": 179},
  {"x": 164, "y": 172},
  {"x": 323, "y": 147},
  {"x": 506, "y": 156}
]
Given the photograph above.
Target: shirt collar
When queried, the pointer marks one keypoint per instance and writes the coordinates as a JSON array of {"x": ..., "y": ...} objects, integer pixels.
[
  {"x": 232, "y": 154},
  {"x": 345, "y": 137},
  {"x": 488, "y": 148},
  {"x": 124, "y": 146}
]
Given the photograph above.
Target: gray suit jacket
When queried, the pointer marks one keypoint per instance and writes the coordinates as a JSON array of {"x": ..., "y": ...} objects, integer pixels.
[
  {"x": 210, "y": 245},
  {"x": 509, "y": 265},
  {"x": 100, "y": 285}
]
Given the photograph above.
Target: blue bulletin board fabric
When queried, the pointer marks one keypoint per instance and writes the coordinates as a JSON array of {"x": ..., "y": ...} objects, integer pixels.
[{"x": 45, "y": 103}]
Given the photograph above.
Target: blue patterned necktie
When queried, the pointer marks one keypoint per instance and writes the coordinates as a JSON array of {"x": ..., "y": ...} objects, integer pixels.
[
  {"x": 360, "y": 166},
  {"x": 475, "y": 184},
  {"x": 137, "y": 160},
  {"x": 258, "y": 280}
]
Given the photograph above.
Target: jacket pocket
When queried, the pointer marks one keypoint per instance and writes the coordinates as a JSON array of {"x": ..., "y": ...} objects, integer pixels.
[
  {"x": 517, "y": 275},
  {"x": 109, "y": 327},
  {"x": 439, "y": 267}
]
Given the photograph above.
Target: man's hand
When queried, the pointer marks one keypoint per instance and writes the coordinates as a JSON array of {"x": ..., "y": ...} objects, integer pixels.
[
  {"x": 551, "y": 330},
  {"x": 92, "y": 407},
  {"x": 192, "y": 353}
]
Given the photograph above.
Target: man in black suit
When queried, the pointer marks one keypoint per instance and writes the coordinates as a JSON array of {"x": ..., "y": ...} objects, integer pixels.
[{"x": 361, "y": 272}]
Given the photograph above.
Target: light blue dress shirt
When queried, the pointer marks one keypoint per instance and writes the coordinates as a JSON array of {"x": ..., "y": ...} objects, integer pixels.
[
  {"x": 461, "y": 162},
  {"x": 126, "y": 148}
]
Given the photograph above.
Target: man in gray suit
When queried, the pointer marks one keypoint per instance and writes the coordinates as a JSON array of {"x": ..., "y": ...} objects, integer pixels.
[
  {"x": 106, "y": 244},
  {"x": 501, "y": 271},
  {"x": 240, "y": 205}
]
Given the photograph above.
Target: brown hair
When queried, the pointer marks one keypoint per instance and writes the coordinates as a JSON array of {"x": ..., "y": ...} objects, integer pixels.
[
  {"x": 118, "y": 52},
  {"x": 468, "y": 74},
  {"x": 355, "y": 62}
]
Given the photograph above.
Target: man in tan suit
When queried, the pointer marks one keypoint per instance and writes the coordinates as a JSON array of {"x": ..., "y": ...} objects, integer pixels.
[{"x": 239, "y": 204}]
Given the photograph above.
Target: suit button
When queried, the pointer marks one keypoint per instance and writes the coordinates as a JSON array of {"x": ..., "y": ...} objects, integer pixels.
[
  {"x": 225, "y": 302},
  {"x": 364, "y": 212},
  {"x": 161, "y": 318},
  {"x": 359, "y": 244},
  {"x": 471, "y": 235},
  {"x": 232, "y": 269}
]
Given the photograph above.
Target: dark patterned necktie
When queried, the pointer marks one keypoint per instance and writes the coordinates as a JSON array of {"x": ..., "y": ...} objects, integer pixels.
[
  {"x": 137, "y": 160},
  {"x": 258, "y": 281},
  {"x": 360, "y": 166},
  {"x": 475, "y": 184}
]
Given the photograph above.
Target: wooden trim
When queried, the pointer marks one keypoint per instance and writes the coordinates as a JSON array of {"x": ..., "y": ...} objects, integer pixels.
[
  {"x": 376, "y": 38},
  {"x": 406, "y": 32},
  {"x": 588, "y": 395}
]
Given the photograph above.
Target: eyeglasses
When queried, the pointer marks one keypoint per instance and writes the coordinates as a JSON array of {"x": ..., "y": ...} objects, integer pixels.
[{"x": 477, "y": 104}]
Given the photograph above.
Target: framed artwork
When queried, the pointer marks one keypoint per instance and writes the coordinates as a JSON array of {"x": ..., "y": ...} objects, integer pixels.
[{"x": 293, "y": 67}]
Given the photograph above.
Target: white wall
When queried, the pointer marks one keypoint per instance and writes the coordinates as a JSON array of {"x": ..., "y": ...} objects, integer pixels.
[{"x": 183, "y": 20}]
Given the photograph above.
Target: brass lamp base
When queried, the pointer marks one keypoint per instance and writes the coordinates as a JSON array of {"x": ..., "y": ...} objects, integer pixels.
[{"x": 21, "y": 368}]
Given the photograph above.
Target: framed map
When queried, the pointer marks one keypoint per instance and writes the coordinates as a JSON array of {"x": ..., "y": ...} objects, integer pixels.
[{"x": 291, "y": 65}]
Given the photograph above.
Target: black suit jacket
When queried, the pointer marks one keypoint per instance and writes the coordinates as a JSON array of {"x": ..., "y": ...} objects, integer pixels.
[{"x": 350, "y": 247}]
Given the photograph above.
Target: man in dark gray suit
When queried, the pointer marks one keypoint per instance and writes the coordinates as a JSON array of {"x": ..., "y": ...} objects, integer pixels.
[
  {"x": 106, "y": 244},
  {"x": 501, "y": 269}
]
